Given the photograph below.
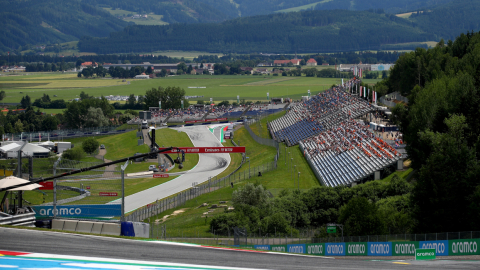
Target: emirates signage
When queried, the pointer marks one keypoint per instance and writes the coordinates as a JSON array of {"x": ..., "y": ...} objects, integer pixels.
[
  {"x": 109, "y": 194},
  {"x": 160, "y": 175},
  {"x": 205, "y": 150},
  {"x": 206, "y": 120}
]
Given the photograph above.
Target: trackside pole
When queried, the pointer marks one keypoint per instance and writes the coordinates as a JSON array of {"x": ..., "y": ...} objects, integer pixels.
[{"x": 122, "y": 218}]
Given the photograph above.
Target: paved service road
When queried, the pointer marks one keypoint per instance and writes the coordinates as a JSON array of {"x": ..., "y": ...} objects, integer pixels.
[
  {"x": 209, "y": 165},
  {"x": 116, "y": 248}
]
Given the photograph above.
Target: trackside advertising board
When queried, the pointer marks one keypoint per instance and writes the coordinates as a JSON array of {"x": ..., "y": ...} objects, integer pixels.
[
  {"x": 404, "y": 248},
  {"x": 205, "y": 150},
  {"x": 379, "y": 248},
  {"x": 315, "y": 249},
  {"x": 441, "y": 247},
  {"x": 357, "y": 249},
  {"x": 425, "y": 254},
  {"x": 464, "y": 247},
  {"x": 279, "y": 248},
  {"x": 263, "y": 247},
  {"x": 334, "y": 249},
  {"x": 296, "y": 248},
  {"x": 92, "y": 210}
]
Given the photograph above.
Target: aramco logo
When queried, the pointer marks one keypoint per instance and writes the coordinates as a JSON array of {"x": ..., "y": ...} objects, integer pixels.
[{"x": 61, "y": 211}]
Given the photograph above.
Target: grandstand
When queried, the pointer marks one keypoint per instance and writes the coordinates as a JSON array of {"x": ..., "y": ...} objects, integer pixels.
[
  {"x": 322, "y": 111},
  {"x": 347, "y": 153},
  {"x": 339, "y": 149}
]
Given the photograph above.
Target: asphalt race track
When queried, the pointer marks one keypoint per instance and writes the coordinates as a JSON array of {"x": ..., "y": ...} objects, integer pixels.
[
  {"x": 209, "y": 165},
  {"x": 116, "y": 248}
]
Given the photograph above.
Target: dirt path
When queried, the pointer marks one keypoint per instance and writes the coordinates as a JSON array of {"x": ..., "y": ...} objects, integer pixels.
[{"x": 109, "y": 170}]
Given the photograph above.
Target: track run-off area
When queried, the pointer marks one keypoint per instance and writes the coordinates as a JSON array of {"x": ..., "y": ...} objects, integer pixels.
[{"x": 209, "y": 165}]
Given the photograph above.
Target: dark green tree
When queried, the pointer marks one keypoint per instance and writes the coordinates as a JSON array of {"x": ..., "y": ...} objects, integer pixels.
[
  {"x": 90, "y": 145},
  {"x": 361, "y": 217}
]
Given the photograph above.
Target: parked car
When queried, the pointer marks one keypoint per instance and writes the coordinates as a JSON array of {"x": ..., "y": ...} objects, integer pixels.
[
  {"x": 153, "y": 168},
  {"x": 102, "y": 146}
]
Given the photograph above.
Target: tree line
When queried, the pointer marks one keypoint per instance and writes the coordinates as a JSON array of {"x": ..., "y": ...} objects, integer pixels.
[
  {"x": 373, "y": 208},
  {"x": 441, "y": 128}
]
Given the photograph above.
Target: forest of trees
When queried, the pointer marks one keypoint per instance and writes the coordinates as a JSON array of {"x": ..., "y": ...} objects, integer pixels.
[
  {"x": 52, "y": 21},
  {"x": 442, "y": 128},
  {"x": 327, "y": 31}
]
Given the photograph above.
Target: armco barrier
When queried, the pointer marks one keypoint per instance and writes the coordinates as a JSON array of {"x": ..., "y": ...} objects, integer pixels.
[{"x": 407, "y": 248}]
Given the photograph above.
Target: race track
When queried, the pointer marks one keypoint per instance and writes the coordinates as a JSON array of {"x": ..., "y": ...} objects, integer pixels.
[
  {"x": 168, "y": 253},
  {"x": 209, "y": 165}
]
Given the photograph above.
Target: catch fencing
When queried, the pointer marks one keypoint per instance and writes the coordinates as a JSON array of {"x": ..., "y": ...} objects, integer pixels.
[
  {"x": 63, "y": 134},
  {"x": 197, "y": 190}
]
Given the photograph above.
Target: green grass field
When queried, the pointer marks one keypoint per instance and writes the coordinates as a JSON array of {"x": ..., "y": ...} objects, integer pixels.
[
  {"x": 248, "y": 87},
  {"x": 304, "y": 7},
  {"x": 151, "y": 19}
]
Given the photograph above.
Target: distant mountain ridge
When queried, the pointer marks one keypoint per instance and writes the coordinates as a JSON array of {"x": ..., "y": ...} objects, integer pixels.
[
  {"x": 308, "y": 31},
  {"x": 52, "y": 21},
  {"x": 55, "y": 21}
]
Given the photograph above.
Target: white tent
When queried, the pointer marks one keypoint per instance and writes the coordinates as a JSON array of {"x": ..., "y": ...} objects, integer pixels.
[
  {"x": 13, "y": 181},
  {"x": 29, "y": 150},
  {"x": 8, "y": 147}
]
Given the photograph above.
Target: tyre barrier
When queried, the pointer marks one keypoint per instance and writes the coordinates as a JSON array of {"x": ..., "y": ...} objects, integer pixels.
[{"x": 407, "y": 248}]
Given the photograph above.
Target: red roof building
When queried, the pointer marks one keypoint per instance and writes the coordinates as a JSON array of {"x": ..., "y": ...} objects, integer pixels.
[
  {"x": 311, "y": 62},
  {"x": 295, "y": 62}
]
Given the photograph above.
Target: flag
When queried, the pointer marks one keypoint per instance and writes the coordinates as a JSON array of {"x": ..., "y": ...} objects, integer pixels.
[
  {"x": 361, "y": 73},
  {"x": 361, "y": 88}
]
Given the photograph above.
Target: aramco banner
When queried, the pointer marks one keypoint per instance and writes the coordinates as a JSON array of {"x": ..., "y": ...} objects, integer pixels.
[{"x": 77, "y": 211}]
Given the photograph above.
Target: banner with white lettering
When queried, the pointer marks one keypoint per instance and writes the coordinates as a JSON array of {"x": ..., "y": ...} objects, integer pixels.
[
  {"x": 92, "y": 210},
  {"x": 464, "y": 247},
  {"x": 379, "y": 248},
  {"x": 406, "y": 248},
  {"x": 296, "y": 248},
  {"x": 316, "y": 249},
  {"x": 440, "y": 246},
  {"x": 334, "y": 249},
  {"x": 356, "y": 249}
]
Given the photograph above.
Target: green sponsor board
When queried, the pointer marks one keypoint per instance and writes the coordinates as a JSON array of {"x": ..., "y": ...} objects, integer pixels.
[
  {"x": 315, "y": 249},
  {"x": 425, "y": 254},
  {"x": 247, "y": 246},
  {"x": 356, "y": 249},
  {"x": 464, "y": 247},
  {"x": 331, "y": 229},
  {"x": 280, "y": 248},
  {"x": 404, "y": 248}
]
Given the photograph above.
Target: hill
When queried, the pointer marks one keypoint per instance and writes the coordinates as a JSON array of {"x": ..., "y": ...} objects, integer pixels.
[
  {"x": 309, "y": 31},
  {"x": 52, "y": 21},
  {"x": 449, "y": 20},
  {"x": 388, "y": 6}
]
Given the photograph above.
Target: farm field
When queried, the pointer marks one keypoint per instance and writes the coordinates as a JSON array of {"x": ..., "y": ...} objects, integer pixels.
[{"x": 227, "y": 87}]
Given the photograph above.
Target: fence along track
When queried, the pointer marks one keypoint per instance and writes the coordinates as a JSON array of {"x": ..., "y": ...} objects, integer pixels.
[{"x": 207, "y": 186}]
